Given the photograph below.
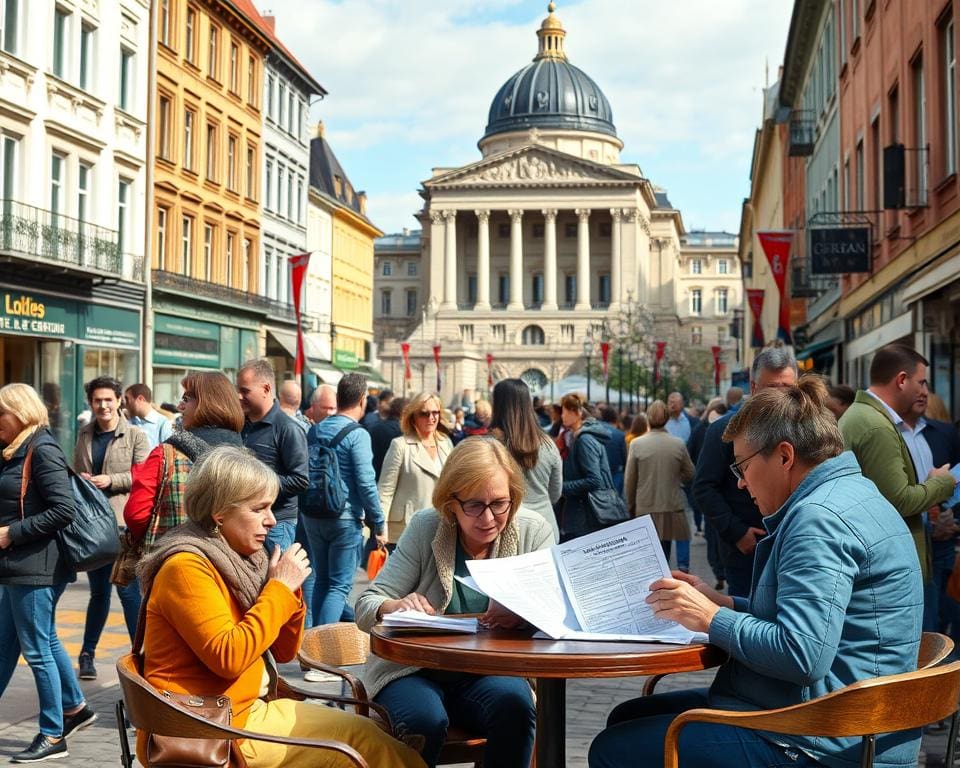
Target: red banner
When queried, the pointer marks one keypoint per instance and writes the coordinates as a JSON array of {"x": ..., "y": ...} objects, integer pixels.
[
  {"x": 407, "y": 374},
  {"x": 716, "y": 364},
  {"x": 489, "y": 371},
  {"x": 777, "y": 245},
  {"x": 755, "y": 300},
  {"x": 298, "y": 271},
  {"x": 661, "y": 347},
  {"x": 605, "y": 352},
  {"x": 436, "y": 359}
]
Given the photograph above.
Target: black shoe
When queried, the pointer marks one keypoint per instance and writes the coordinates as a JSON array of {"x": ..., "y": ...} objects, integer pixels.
[
  {"x": 78, "y": 720},
  {"x": 41, "y": 749},
  {"x": 719, "y": 586},
  {"x": 87, "y": 670}
]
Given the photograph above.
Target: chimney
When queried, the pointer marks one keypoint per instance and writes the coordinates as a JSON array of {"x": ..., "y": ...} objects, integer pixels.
[
  {"x": 320, "y": 131},
  {"x": 362, "y": 199},
  {"x": 271, "y": 22}
]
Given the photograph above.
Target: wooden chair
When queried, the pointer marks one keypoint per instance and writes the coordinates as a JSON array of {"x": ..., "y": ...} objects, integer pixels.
[
  {"x": 934, "y": 648},
  {"x": 148, "y": 709},
  {"x": 331, "y": 646},
  {"x": 865, "y": 709}
]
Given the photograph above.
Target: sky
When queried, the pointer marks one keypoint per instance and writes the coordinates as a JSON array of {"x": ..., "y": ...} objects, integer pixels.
[{"x": 410, "y": 84}]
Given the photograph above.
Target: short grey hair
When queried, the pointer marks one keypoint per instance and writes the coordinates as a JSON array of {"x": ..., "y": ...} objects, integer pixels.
[
  {"x": 261, "y": 369},
  {"x": 776, "y": 357},
  {"x": 223, "y": 479},
  {"x": 318, "y": 392}
]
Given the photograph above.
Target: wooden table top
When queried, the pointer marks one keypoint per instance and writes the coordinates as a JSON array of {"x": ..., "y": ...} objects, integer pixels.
[{"x": 502, "y": 652}]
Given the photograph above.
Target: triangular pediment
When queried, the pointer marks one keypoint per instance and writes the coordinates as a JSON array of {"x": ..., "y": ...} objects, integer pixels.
[{"x": 531, "y": 165}]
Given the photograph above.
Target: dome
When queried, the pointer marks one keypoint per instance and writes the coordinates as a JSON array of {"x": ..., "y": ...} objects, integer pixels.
[{"x": 550, "y": 93}]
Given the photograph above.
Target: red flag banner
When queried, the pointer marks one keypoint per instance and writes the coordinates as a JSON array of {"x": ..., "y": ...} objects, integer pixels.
[
  {"x": 716, "y": 364},
  {"x": 298, "y": 271},
  {"x": 436, "y": 359},
  {"x": 605, "y": 352},
  {"x": 407, "y": 374},
  {"x": 489, "y": 371},
  {"x": 777, "y": 245},
  {"x": 661, "y": 347},
  {"x": 755, "y": 300}
]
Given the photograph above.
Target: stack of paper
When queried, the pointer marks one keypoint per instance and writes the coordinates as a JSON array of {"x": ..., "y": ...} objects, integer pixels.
[{"x": 418, "y": 620}]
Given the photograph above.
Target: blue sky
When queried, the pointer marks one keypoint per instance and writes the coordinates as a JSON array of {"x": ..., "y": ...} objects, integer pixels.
[{"x": 410, "y": 83}]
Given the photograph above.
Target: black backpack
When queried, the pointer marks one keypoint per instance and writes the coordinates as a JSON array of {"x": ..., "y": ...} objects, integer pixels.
[{"x": 326, "y": 493}]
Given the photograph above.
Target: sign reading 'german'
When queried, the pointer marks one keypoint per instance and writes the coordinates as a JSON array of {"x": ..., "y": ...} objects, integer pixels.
[{"x": 837, "y": 250}]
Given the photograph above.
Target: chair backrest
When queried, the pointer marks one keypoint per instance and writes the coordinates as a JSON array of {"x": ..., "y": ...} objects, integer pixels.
[
  {"x": 934, "y": 648},
  {"x": 342, "y": 644}
]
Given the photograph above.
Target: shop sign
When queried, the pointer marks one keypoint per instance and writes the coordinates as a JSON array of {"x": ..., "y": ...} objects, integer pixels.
[
  {"x": 838, "y": 250},
  {"x": 343, "y": 358},
  {"x": 110, "y": 325},
  {"x": 37, "y": 314},
  {"x": 186, "y": 343}
]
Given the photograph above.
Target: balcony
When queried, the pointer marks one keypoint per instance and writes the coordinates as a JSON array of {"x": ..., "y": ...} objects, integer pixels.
[
  {"x": 803, "y": 132},
  {"x": 223, "y": 294},
  {"x": 35, "y": 233}
]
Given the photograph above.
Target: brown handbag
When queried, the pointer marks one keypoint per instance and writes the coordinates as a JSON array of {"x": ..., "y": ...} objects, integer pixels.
[{"x": 177, "y": 752}]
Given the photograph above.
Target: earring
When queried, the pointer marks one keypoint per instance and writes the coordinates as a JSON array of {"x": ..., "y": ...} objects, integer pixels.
[{"x": 216, "y": 529}]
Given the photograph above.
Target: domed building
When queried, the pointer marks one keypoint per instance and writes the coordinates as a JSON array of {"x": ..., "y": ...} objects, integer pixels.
[{"x": 540, "y": 244}]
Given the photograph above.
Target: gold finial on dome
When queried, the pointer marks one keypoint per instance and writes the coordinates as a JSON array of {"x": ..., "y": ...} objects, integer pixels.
[{"x": 551, "y": 34}]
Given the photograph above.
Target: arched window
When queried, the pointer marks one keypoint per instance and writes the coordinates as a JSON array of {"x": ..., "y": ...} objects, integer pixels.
[
  {"x": 535, "y": 379},
  {"x": 533, "y": 336}
]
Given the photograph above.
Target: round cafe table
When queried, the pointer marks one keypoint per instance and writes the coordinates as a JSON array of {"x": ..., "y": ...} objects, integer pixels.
[{"x": 551, "y": 662}]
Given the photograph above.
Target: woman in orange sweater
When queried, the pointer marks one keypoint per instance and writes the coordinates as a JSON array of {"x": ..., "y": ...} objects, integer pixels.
[{"x": 220, "y": 610}]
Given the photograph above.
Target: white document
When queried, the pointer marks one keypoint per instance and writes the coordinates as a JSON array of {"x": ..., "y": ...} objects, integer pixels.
[
  {"x": 424, "y": 621},
  {"x": 590, "y": 588}
]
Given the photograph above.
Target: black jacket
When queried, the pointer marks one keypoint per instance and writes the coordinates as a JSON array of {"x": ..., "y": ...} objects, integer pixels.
[
  {"x": 728, "y": 509},
  {"x": 585, "y": 469},
  {"x": 280, "y": 443},
  {"x": 381, "y": 435},
  {"x": 34, "y": 557}
]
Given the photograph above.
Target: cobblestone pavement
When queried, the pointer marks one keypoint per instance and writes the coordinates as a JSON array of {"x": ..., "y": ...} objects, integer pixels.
[{"x": 588, "y": 701}]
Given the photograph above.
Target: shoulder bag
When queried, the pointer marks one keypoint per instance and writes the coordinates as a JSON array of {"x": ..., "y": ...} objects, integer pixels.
[{"x": 606, "y": 504}]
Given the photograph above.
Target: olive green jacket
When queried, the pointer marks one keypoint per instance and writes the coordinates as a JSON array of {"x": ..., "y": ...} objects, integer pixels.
[{"x": 870, "y": 433}]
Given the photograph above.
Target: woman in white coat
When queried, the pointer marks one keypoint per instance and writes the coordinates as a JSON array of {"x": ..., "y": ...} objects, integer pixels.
[{"x": 413, "y": 462}]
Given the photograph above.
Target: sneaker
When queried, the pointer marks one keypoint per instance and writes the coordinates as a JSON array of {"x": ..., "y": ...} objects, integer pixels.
[
  {"x": 41, "y": 749},
  {"x": 78, "y": 720},
  {"x": 87, "y": 670},
  {"x": 319, "y": 676}
]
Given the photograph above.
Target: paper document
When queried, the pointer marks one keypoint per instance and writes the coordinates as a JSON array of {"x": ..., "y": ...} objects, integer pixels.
[
  {"x": 955, "y": 499},
  {"x": 424, "y": 621},
  {"x": 595, "y": 585}
]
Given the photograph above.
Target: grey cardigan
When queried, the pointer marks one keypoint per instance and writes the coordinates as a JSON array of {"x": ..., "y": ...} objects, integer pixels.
[
  {"x": 544, "y": 484},
  {"x": 423, "y": 562}
]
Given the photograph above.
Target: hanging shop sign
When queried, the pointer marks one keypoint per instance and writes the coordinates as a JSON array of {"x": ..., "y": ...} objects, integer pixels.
[
  {"x": 344, "y": 358},
  {"x": 838, "y": 250}
]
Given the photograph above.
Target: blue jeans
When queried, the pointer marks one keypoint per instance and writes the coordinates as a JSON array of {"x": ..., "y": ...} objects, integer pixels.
[
  {"x": 334, "y": 544},
  {"x": 636, "y": 728},
  {"x": 98, "y": 607},
  {"x": 282, "y": 535},
  {"x": 500, "y": 708},
  {"x": 28, "y": 626},
  {"x": 683, "y": 553},
  {"x": 301, "y": 539}
]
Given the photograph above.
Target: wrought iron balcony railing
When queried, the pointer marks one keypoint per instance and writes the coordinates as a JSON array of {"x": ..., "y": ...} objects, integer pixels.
[
  {"x": 51, "y": 236},
  {"x": 173, "y": 281},
  {"x": 803, "y": 132}
]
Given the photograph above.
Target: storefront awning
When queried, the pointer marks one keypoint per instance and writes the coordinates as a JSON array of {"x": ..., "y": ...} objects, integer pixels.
[
  {"x": 811, "y": 350},
  {"x": 286, "y": 339},
  {"x": 374, "y": 379},
  {"x": 326, "y": 372}
]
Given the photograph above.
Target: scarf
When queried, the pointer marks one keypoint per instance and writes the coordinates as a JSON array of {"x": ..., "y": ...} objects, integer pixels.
[
  {"x": 244, "y": 576},
  {"x": 19, "y": 440}
]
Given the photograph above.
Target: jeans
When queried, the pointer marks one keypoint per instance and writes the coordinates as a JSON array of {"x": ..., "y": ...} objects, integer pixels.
[
  {"x": 28, "y": 626},
  {"x": 940, "y": 611},
  {"x": 333, "y": 542},
  {"x": 683, "y": 553},
  {"x": 500, "y": 708},
  {"x": 301, "y": 539},
  {"x": 637, "y": 727},
  {"x": 98, "y": 607},
  {"x": 282, "y": 535}
]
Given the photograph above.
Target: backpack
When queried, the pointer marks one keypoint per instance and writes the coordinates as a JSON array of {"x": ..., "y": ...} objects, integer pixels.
[{"x": 326, "y": 493}]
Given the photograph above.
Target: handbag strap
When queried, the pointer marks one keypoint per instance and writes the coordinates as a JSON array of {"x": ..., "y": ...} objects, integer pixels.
[
  {"x": 164, "y": 477},
  {"x": 25, "y": 476}
]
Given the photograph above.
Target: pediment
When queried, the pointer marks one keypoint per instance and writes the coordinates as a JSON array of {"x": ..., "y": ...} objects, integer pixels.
[{"x": 531, "y": 166}]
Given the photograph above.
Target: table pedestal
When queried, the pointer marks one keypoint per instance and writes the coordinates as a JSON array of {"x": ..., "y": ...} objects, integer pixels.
[{"x": 551, "y": 722}]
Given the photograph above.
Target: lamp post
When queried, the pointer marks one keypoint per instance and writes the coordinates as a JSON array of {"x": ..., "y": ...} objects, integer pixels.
[
  {"x": 630, "y": 364},
  {"x": 588, "y": 353}
]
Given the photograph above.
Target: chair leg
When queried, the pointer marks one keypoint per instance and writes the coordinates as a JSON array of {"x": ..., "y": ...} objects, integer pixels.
[
  {"x": 868, "y": 751},
  {"x": 126, "y": 759},
  {"x": 952, "y": 740}
]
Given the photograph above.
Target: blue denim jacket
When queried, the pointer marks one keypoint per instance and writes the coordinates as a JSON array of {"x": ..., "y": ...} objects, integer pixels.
[
  {"x": 355, "y": 456},
  {"x": 837, "y": 597}
]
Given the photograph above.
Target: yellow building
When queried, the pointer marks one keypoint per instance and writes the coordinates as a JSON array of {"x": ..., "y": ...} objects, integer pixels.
[{"x": 352, "y": 259}]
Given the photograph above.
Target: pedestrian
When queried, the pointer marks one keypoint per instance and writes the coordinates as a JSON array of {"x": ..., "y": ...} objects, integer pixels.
[
  {"x": 714, "y": 410},
  {"x": 729, "y": 508},
  {"x": 841, "y": 398},
  {"x": 138, "y": 400},
  {"x": 335, "y": 541},
  {"x": 413, "y": 462},
  {"x": 616, "y": 446},
  {"x": 384, "y": 398},
  {"x": 515, "y": 424},
  {"x": 277, "y": 441},
  {"x": 479, "y": 421},
  {"x": 290, "y": 398},
  {"x": 657, "y": 467},
  {"x": 33, "y": 573},
  {"x": 384, "y": 431},
  {"x": 638, "y": 426},
  {"x": 680, "y": 424},
  {"x": 457, "y": 425},
  {"x": 107, "y": 450},
  {"x": 323, "y": 403},
  {"x": 585, "y": 468}
]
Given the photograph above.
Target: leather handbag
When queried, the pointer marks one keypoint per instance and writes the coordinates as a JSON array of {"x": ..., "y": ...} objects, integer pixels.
[
  {"x": 178, "y": 752},
  {"x": 607, "y": 506}
]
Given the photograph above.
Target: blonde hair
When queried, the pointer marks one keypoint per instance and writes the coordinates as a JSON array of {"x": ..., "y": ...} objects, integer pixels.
[
  {"x": 657, "y": 414},
  {"x": 797, "y": 415},
  {"x": 224, "y": 478},
  {"x": 408, "y": 421},
  {"x": 23, "y": 402},
  {"x": 482, "y": 410},
  {"x": 936, "y": 408},
  {"x": 469, "y": 466}
]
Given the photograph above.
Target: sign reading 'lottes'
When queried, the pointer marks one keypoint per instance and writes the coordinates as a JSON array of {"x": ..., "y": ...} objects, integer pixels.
[
  {"x": 837, "y": 250},
  {"x": 37, "y": 314}
]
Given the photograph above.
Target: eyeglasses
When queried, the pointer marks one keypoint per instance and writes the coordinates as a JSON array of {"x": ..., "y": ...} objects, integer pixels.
[
  {"x": 737, "y": 466},
  {"x": 429, "y": 414},
  {"x": 475, "y": 507}
]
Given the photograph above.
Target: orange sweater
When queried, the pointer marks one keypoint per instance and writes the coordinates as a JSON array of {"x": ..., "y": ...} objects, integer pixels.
[{"x": 198, "y": 640}]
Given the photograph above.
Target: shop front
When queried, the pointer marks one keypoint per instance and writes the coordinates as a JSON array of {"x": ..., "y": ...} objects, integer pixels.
[{"x": 56, "y": 343}]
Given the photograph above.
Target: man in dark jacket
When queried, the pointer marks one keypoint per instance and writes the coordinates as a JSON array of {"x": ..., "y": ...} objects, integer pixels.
[
  {"x": 585, "y": 469},
  {"x": 377, "y": 415},
  {"x": 616, "y": 446},
  {"x": 730, "y": 509},
  {"x": 277, "y": 441},
  {"x": 384, "y": 431}
]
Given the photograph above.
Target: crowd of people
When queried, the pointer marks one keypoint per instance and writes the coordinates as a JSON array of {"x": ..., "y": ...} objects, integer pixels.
[{"x": 823, "y": 509}]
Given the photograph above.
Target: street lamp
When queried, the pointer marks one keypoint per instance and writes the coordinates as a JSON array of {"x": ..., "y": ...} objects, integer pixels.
[{"x": 588, "y": 353}]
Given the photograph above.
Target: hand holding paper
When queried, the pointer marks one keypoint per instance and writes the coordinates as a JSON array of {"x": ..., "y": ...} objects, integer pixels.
[{"x": 955, "y": 499}]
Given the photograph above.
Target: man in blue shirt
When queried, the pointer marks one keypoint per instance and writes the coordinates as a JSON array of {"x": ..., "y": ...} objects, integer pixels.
[
  {"x": 680, "y": 424},
  {"x": 138, "y": 400}
]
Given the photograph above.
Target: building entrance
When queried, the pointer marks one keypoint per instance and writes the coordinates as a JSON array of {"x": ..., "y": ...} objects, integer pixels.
[{"x": 19, "y": 359}]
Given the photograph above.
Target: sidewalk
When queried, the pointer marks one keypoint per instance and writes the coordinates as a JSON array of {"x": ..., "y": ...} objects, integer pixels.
[{"x": 588, "y": 701}]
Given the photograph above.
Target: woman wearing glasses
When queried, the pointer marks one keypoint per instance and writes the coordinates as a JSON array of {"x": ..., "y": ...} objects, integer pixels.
[
  {"x": 476, "y": 515},
  {"x": 413, "y": 462},
  {"x": 836, "y": 598}
]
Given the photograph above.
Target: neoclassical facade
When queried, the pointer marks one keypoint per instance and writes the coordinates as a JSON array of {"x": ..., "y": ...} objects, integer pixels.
[{"x": 541, "y": 243}]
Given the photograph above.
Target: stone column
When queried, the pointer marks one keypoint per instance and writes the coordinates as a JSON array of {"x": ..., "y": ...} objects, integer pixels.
[
  {"x": 550, "y": 259},
  {"x": 516, "y": 260},
  {"x": 434, "y": 271},
  {"x": 583, "y": 259},
  {"x": 616, "y": 260},
  {"x": 449, "y": 260},
  {"x": 483, "y": 260}
]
